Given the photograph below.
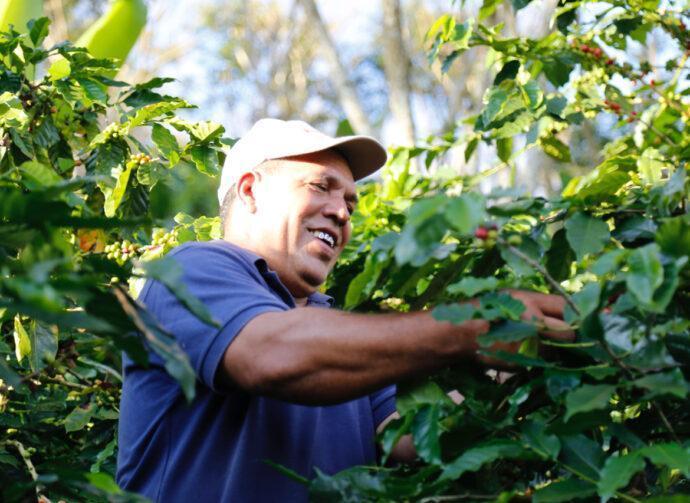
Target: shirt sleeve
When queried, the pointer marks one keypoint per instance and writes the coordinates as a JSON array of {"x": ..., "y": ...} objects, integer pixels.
[
  {"x": 232, "y": 290},
  {"x": 382, "y": 404}
]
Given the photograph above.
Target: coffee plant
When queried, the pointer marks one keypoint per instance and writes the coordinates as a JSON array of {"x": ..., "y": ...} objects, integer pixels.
[
  {"x": 84, "y": 160},
  {"x": 83, "y": 222},
  {"x": 607, "y": 415}
]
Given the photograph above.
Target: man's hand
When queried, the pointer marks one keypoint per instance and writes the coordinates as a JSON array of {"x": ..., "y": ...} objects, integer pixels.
[{"x": 544, "y": 310}]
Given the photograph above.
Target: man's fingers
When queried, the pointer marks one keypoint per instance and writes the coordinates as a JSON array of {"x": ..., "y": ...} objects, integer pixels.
[
  {"x": 551, "y": 305},
  {"x": 556, "y": 329}
]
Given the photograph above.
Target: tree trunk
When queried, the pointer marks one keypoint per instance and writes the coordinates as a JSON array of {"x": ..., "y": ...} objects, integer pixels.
[
  {"x": 345, "y": 89},
  {"x": 396, "y": 65}
]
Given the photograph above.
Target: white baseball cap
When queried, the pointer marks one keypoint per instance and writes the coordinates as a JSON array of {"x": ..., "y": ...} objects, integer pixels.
[{"x": 274, "y": 139}]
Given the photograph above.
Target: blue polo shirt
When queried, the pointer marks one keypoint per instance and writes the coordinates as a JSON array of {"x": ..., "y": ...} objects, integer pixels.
[{"x": 215, "y": 448}]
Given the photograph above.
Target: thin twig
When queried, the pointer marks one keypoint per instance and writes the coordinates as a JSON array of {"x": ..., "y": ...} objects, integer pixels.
[
  {"x": 536, "y": 265},
  {"x": 658, "y": 133},
  {"x": 458, "y": 497},
  {"x": 27, "y": 461},
  {"x": 629, "y": 373}
]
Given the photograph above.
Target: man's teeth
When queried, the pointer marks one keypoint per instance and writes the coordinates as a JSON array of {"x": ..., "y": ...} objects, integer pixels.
[{"x": 324, "y": 236}]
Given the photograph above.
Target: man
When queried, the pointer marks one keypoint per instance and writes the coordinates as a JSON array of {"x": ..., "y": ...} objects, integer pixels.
[{"x": 283, "y": 379}]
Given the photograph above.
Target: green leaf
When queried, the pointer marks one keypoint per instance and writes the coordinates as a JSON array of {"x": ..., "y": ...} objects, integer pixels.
[
  {"x": 507, "y": 331},
  {"x": 465, "y": 212},
  {"x": 587, "y": 299},
  {"x": 94, "y": 90},
  {"x": 167, "y": 271},
  {"x": 454, "y": 313},
  {"x": 79, "y": 417},
  {"x": 60, "y": 69},
  {"x": 604, "y": 181},
  {"x": 22, "y": 342},
  {"x": 559, "y": 382},
  {"x": 425, "y": 433},
  {"x": 488, "y": 8},
  {"x": 156, "y": 110},
  {"x": 496, "y": 97},
  {"x": 37, "y": 175},
  {"x": 559, "y": 257},
  {"x": 588, "y": 397},
  {"x": 501, "y": 305},
  {"x": 557, "y": 69},
  {"x": 201, "y": 131},
  {"x": 11, "y": 112},
  {"x": 520, "y": 267},
  {"x": 583, "y": 454},
  {"x": 534, "y": 437},
  {"x": 104, "y": 482},
  {"x": 470, "y": 286},
  {"x": 645, "y": 273},
  {"x": 650, "y": 166},
  {"x": 555, "y": 148},
  {"x": 470, "y": 148},
  {"x": 206, "y": 160},
  {"x": 586, "y": 234},
  {"x": 473, "y": 459},
  {"x": 113, "y": 197},
  {"x": 38, "y": 30},
  {"x": 564, "y": 490},
  {"x": 46, "y": 134},
  {"x": 664, "y": 383},
  {"x": 44, "y": 345},
  {"x": 673, "y": 455},
  {"x": 617, "y": 472},
  {"x": 166, "y": 143},
  {"x": 673, "y": 237},
  {"x": 149, "y": 173},
  {"x": 413, "y": 395},
  {"x": 520, "y": 4},
  {"x": 509, "y": 71},
  {"x": 504, "y": 148}
]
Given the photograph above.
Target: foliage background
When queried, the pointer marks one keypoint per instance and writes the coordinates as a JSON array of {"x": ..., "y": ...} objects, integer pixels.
[{"x": 100, "y": 179}]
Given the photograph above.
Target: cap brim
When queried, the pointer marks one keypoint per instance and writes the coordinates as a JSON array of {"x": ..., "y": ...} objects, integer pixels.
[{"x": 364, "y": 155}]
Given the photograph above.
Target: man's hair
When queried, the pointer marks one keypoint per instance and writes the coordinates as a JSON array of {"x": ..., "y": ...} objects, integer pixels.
[{"x": 231, "y": 195}]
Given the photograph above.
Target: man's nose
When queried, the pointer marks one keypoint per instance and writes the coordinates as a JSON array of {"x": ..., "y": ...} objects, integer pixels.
[{"x": 339, "y": 212}]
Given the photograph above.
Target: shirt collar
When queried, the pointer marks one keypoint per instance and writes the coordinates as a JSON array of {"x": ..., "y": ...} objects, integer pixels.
[{"x": 316, "y": 298}]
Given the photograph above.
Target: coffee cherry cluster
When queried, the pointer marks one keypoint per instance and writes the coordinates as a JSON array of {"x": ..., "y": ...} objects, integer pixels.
[
  {"x": 161, "y": 243},
  {"x": 485, "y": 237},
  {"x": 594, "y": 51},
  {"x": 616, "y": 108},
  {"x": 136, "y": 160},
  {"x": 121, "y": 252},
  {"x": 114, "y": 131}
]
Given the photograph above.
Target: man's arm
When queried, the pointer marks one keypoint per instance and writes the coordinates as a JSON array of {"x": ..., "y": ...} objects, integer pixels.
[{"x": 319, "y": 356}]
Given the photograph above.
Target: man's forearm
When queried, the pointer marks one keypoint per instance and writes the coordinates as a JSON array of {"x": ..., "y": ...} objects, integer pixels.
[{"x": 317, "y": 356}]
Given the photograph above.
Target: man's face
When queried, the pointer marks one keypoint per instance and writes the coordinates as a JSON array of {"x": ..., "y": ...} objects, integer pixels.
[{"x": 302, "y": 218}]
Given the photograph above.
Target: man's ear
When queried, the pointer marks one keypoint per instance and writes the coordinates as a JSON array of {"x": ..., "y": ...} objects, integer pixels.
[{"x": 245, "y": 190}]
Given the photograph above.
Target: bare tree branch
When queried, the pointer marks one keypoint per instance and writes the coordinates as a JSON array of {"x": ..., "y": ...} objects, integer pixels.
[
  {"x": 396, "y": 65},
  {"x": 345, "y": 89}
]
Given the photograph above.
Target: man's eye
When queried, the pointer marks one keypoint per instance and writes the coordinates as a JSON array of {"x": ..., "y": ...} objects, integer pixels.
[{"x": 319, "y": 186}]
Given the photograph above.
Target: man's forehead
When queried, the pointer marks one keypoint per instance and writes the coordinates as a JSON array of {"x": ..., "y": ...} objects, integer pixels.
[{"x": 328, "y": 165}]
